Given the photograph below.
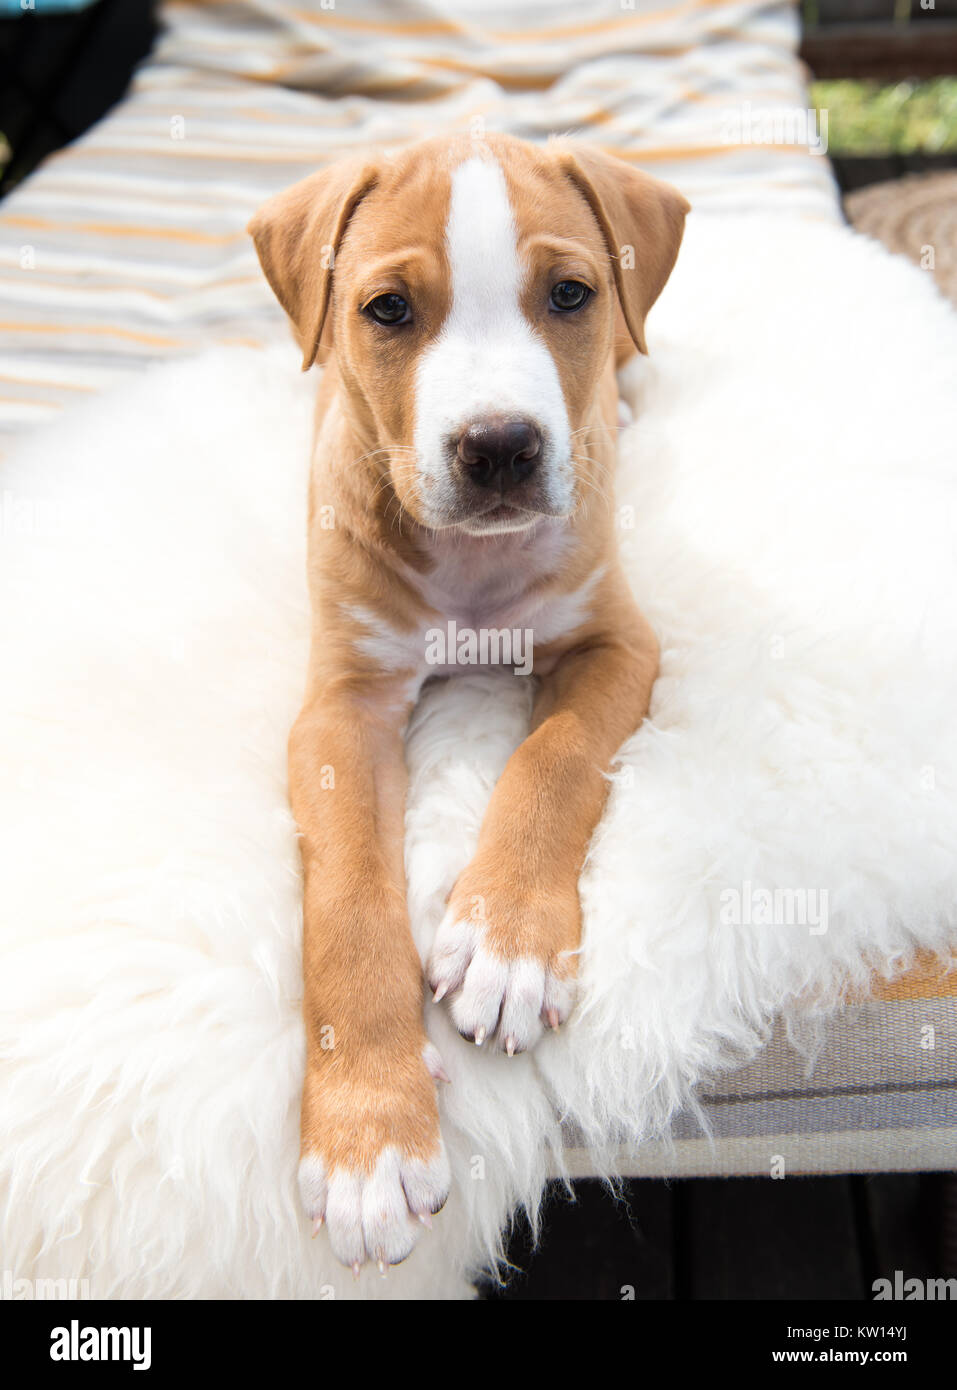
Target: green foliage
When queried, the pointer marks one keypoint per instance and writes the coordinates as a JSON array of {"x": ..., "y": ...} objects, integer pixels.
[{"x": 902, "y": 118}]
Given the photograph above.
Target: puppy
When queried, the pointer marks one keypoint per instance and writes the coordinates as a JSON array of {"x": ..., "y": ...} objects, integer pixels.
[{"x": 470, "y": 300}]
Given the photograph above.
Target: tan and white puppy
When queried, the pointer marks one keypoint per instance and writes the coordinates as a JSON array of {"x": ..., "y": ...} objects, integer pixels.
[{"x": 471, "y": 300}]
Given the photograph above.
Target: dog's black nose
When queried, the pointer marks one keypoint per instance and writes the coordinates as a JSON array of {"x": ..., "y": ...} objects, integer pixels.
[{"x": 497, "y": 452}]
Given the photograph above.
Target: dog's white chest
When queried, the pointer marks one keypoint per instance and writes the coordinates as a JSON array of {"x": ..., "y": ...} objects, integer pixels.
[
  {"x": 486, "y": 582},
  {"x": 485, "y": 604}
]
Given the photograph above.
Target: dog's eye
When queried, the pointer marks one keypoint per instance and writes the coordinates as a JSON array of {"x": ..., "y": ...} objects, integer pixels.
[
  {"x": 389, "y": 308},
  {"x": 569, "y": 295}
]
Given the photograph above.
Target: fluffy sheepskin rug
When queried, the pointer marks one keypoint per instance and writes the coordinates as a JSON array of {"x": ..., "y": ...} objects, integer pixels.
[{"x": 788, "y": 517}]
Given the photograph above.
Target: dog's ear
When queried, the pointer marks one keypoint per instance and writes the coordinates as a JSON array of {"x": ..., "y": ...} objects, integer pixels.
[
  {"x": 297, "y": 234},
  {"x": 642, "y": 221}
]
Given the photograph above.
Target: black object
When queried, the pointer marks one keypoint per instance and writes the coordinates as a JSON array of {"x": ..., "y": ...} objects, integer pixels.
[
  {"x": 60, "y": 73},
  {"x": 723, "y": 1239}
]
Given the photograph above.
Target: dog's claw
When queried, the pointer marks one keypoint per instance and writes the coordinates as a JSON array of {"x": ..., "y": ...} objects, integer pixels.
[
  {"x": 355, "y": 1269},
  {"x": 441, "y": 990},
  {"x": 317, "y": 1226},
  {"x": 553, "y": 1019},
  {"x": 510, "y": 1045},
  {"x": 383, "y": 1268},
  {"x": 426, "y": 1218},
  {"x": 479, "y": 1036}
]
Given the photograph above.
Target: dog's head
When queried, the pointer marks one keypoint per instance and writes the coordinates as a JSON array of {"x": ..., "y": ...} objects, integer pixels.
[{"x": 471, "y": 291}]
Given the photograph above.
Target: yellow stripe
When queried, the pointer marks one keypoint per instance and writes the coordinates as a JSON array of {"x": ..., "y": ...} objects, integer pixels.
[
  {"x": 89, "y": 289},
  {"x": 663, "y": 153},
  {"x": 927, "y": 979},
  {"x": 96, "y": 330},
  {"x": 242, "y": 342},
  {"x": 47, "y": 385},
  {"x": 37, "y": 405},
  {"x": 111, "y": 229},
  {"x": 220, "y": 156}
]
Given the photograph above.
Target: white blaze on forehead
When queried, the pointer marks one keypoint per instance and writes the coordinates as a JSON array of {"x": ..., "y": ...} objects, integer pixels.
[
  {"x": 487, "y": 357},
  {"x": 482, "y": 244}
]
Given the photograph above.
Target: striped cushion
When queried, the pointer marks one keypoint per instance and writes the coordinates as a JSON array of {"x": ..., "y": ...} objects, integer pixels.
[
  {"x": 129, "y": 246},
  {"x": 882, "y": 1096}
]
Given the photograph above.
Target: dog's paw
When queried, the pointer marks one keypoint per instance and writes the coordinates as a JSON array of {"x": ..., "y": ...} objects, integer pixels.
[
  {"x": 507, "y": 976},
  {"x": 374, "y": 1213},
  {"x": 373, "y": 1168}
]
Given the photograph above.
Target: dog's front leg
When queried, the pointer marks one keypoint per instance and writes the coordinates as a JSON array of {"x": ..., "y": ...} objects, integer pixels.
[
  {"x": 372, "y": 1162},
  {"x": 506, "y": 951}
]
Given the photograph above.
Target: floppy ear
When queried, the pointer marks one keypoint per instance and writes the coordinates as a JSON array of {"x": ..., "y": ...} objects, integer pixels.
[
  {"x": 297, "y": 234},
  {"x": 642, "y": 221}
]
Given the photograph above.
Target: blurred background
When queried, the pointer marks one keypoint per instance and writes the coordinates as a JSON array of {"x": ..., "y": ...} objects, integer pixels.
[
  {"x": 141, "y": 240},
  {"x": 884, "y": 70}
]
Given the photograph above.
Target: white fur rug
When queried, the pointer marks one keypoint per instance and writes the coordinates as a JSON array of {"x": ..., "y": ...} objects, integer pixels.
[{"x": 792, "y": 485}]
